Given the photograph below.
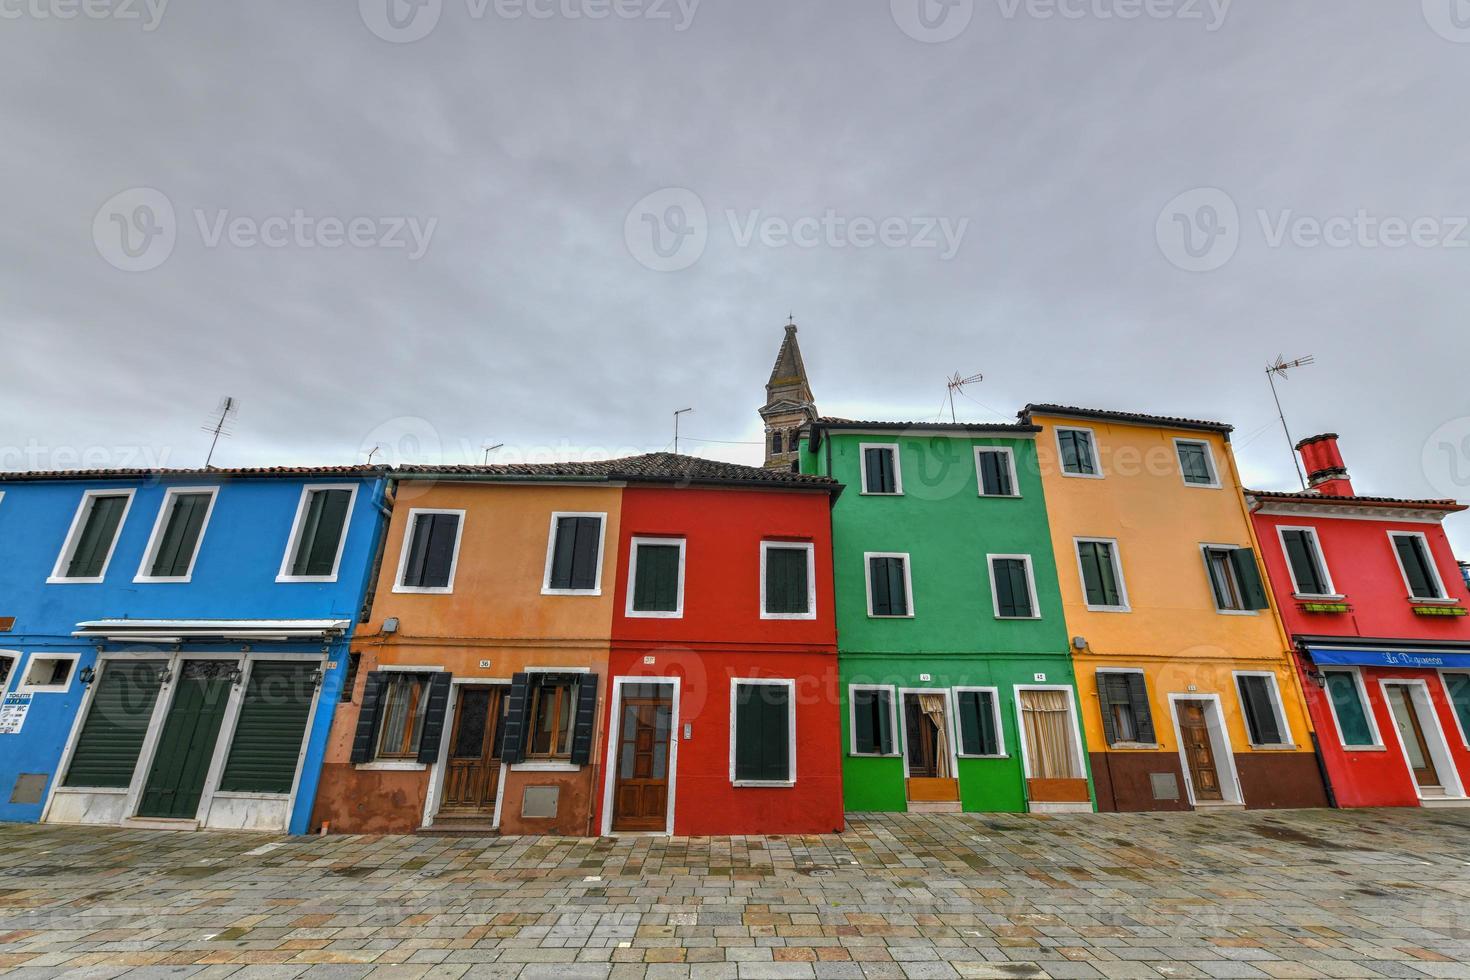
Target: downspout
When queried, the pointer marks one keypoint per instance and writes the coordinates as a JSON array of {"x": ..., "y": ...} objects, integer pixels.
[{"x": 385, "y": 508}]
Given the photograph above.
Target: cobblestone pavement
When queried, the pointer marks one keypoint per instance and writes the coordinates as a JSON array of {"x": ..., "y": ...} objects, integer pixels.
[{"x": 1298, "y": 894}]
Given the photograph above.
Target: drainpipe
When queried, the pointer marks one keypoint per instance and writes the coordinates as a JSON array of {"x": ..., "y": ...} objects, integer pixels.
[{"x": 385, "y": 508}]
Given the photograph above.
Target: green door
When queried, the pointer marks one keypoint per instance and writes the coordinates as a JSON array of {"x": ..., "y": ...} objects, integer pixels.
[
  {"x": 187, "y": 744},
  {"x": 112, "y": 736}
]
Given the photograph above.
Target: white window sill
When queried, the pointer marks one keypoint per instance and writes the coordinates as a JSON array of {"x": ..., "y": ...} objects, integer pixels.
[
  {"x": 963, "y": 756},
  {"x": 875, "y": 493},
  {"x": 1433, "y": 602},
  {"x": 1110, "y": 609},
  {"x": 415, "y": 590},
  {"x": 632, "y": 614},
  {"x": 1238, "y": 612},
  {"x": 91, "y": 790},
  {"x": 544, "y": 767},
  {"x": 1018, "y": 619},
  {"x": 1364, "y": 748},
  {"x": 1272, "y": 748},
  {"x": 1000, "y": 496},
  {"x": 1202, "y": 486},
  {"x": 161, "y": 580},
  {"x": 288, "y": 579},
  {"x": 252, "y": 796},
  {"x": 391, "y": 765},
  {"x": 1145, "y": 746},
  {"x": 1304, "y": 597},
  {"x": 1082, "y": 476},
  {"x": 904, "y": 616},
  {"x": 66, "y": 580},
  {"x": 810, "y": 615},
  {"x": 873, "y": 755},
  {"x": 763, "y": 783},
  {"x": 42, "y": 689}
]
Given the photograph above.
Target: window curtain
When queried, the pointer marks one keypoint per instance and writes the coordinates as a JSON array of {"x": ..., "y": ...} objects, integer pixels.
[
  {"x": 933, "y": 707},
  {"x": 1048, "y": 734}
]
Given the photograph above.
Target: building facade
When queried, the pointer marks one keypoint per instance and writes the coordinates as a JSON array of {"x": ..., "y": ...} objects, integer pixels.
[
  {"x": 1182, "y": 664},
  {"x": 1376, "y": 608},
  {"x": 956, "y": 687},
  {"x": 177, "y": 640}
]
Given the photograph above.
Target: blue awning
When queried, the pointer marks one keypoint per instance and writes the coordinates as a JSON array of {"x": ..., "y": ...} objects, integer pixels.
[{"x": 1390, "y": 657}]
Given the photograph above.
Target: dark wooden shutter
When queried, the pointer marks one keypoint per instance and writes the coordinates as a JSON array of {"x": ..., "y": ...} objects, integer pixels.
[
  {"x": 1107, "y": 691},
  {"x": 884, "y": 705},
  {"x": 878, "y": 471},
  {"x": 1416, "y": 566},
  {"x": 1143, "y": 716},
  {"x": 112, "y": 736},
  {"x": 99, "y": 528},
  {"x": 584, "y": 555},
  {"x": 865, "y": 721},
  {"x": 786, "y": 581},
  {"x": 970, "y": 730},
  {"x": 321, "y": 532},
  {"x": 1248, "y": 575},
  {"x": 515, "y": 719},
  {"x": 419, "y": 533},
  {"x": 435, "y": 709},
  {"x": 890, "y": 598},
  {"x": 439, "y": 554},
  {"x": 995, "y": 475},
  {"x": 182, "y": 525},
  {"x": 368, "y": 716},
  {"x": 1098, "y": 578},
  {"x": 656, "y": 588},
  {"x": 1013, "y": 593},
  {"x": 762, "y": 732},
  {"x": 586, "y": 718},
  {"x": 1304, "y": 563},
  {"x": 1260, "y": 715},
  {"x": 273, "y": 717}
]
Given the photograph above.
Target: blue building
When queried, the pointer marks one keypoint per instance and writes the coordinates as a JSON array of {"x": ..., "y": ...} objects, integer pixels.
[{"x": 173, "y": 644}]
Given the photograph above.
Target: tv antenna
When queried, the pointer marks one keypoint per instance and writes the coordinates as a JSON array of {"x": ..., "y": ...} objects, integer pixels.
[
  {"x": 1281, "y": 367},
  {"x": 956, "y": 383},
  {"x": 676, "y": 427},
  {"x": 228, "y": 408},
  {"x": 490, "y": 449}
]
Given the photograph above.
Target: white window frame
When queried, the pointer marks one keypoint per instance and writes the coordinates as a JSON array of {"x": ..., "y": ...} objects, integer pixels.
[
  {"x": 1204, "y": 551},
  {"x": 790, "y": 685},
  {"x": 1010, "y": 465},
  {"x": 1081, "y": 752},
  {"x": 811, "y": 579},
  {"x": 1460, "y": 728},
  {"x": 1148, "y": 699},
  {"x": 908, "y": 582},
  {"x": 1357, "y": 672},
  {"x": 1296, "y": 589},
  {"x": 1214, "y": 483},
  {"x": 1123, "y": 604},
  {"x": 852, "y": 749},
  {"x": 23, "y": 686},
  {"x": 664, "y": 541},
  {"x": 13, "y": 677},
  {"x": 892, "y": 447},
  {"x": 1444, "y": 594},
  {"x": 292, "y": 542},
  {"x": 995, "y": 594},
  {"x": 165, "y": 510},
  {"x": 73, "y": 536},
  {"x": 407, "y": 545},
  {"x": 959, "y": 724},
  {"x": 1278, "y": 705},
  {"x": 556, "y": 516},
  {"x": 1061, "y": 458}
]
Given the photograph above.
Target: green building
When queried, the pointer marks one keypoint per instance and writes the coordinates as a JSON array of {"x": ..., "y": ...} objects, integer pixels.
[{"x": 956, "y": 679}]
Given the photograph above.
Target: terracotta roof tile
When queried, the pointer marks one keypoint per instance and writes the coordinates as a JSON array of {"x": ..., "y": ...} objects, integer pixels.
[{"x": 1135, "y": 418}]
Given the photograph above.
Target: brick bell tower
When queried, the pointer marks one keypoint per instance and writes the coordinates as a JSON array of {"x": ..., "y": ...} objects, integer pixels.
[{"x": 789, "y": 404}]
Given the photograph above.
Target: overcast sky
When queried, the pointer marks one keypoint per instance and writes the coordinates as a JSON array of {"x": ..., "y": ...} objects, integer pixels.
[{"x": 465, "y": 222}]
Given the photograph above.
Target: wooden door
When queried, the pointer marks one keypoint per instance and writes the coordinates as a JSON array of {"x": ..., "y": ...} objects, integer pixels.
[
  {"x": 1199, "y": 750},
  {"x": 186, "y": 746},
  {"x": 1411, "y": 734},
  {"x": 641, "y": 789},
  {"x": 472, "y": 772}
]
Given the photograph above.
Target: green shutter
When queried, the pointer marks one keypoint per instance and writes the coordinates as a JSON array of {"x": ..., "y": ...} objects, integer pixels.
[
  {"x": 786, "y": 581},
  {"x": 180, "y": 539},
  {"x": 656, "y": 588},
  {"x": 889, "y": 594},
  {"x": 1305, "y": 568},
  {"x": 1458, "y": 686},
  {"x": 1013, "y": 591},
  {"x": 865, "y": 721},
  {"x": 1248, "y": 577},
  {"x": 878, "y": 474},
  {"x": 321, "y": 533},
  {"x": 977, "y": 723},
  {"x": 1194, "y": 464},
  {"x": 99, "y": 529},
  {"x": 1143, "y": 716},
  {"x": 574, "y": 558},
  {"x": 1098, "y": 577},
  {"x": 112, "y": 736},
  {"x": 762, "y": 732},
  {"x": 995, "y": 475},
  {"x": 1352, "y": 714},
  {"x": 1416, "y": 566},
  {"x": 273, "y": 717},
  {"x": 1260, "y": 714}
]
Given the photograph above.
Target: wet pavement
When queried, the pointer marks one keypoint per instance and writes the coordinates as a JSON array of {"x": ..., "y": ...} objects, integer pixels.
[{"x": 1292, "y": 894}]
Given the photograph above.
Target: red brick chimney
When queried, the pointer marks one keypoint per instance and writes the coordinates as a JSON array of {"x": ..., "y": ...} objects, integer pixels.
[{"x": 1326, "y": 472}]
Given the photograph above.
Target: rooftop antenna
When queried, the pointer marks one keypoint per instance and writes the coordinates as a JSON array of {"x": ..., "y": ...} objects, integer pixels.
[
  {"x": 490, "y": 449},
  {"x": 373, "y": 452},
  {"x": 228, "y": 408},
  {"x": 956, "y": 383},
  {"x": 676, "y": 427},
  {"x": 1282, "y": 366}
]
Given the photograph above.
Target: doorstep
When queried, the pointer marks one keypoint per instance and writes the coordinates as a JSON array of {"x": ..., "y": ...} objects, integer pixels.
[
  {"x": 1444, "y": 802},
  {"x": 1042, "y": 806},
  {"x": 1220, "y": 805},
  {"x": 458, "y": 830},
  {"x": 934, "y": 806},
  {"x": 160, "y": 823}
]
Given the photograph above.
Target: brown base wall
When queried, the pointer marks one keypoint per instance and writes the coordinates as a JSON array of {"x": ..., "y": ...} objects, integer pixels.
[
  {"x": 573, "y": 805},
  {"x": 1123, "y": 784},
  {"x": 354, "y": 801},
  {"x": 1280, "y": 780}
]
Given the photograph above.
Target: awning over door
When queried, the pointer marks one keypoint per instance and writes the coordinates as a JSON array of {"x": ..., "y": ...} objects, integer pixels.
[
  {"x": 210, "y": 630},
  {"x": 1429, "y": 659}
]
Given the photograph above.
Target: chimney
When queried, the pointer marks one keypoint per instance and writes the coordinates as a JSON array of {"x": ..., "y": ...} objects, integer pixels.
[{"x": 1326, "y": 472}]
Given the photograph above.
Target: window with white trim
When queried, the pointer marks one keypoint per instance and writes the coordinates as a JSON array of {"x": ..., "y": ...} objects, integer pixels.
[
  {"x": 1077, "y": 449},
  {"x": 1235, "y": 579},
  {"x": 7, "y": 664},
  {"x": 404, "y": 707},
  {"x": 574, "y": 554},
  {"x": 174, "y": 544},
  {"x": 788, "y": 580},
  {"x": 1309, "y": 575},
  {"x": 94, "y": 532},
  {"x": 762, "y": 732},
  {"x": 1417, "y": 565},
  {"x": 978, "y": 710},
  {"x": 430, "y": 551},
  {"x": 1197, "y": 463},
  {"x": 1012, "y": 587},
  {"x": 871, "y": 719},
  {"x": 1101, "y": 570},
  {"x": 995, "y": 471},
  {"x": 656, "y": 578},
  {"x": 1457, "y": 686},
  {"x": 318, "y": 534},
  {"x": 890, "y": 592},
  {"x": 881, "y": 474},
  {"x": 1348, "y": 700},
  {"x": 1260, "y": 701},
  {"x": 1127, "y": 717},
  {"x": 48, "y": 673}
]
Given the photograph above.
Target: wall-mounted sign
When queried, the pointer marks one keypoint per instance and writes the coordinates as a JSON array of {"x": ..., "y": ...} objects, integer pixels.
[
  {"x": 13, "y": 711},
  {"x": 7, "y": 623},
  {"x": 1040, "y": 678},
  {"x": 484, "y": 665}
]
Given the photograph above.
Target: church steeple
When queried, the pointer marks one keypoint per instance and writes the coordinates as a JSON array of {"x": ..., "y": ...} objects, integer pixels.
[{"x": 789, "y": 404}]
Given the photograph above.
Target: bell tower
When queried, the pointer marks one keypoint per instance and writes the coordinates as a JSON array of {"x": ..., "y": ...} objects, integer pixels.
[{"x": 789, "y": 404}]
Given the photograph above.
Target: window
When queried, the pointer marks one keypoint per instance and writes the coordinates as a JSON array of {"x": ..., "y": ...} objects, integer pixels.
[
  {"x": 1012, "y": 592},
  {"x": 93, "y": 535},
  {"x": 318, "y": 534},
  {"x": 871, "y": 720},
  {"x": 1235, "y": 579},
  {"x": 1349, "y": 703},
  {"x": 889, "y": 593},
  {"x": 1078, "y": 452},
  {"x": 1420, "y": 575},
  {"x": 1458, "y": 688},
  {"x": 762, "y": 733},
  {"x": 349, "y": 680},
  {"x": 996, "y": 472},
  {"x": 1102, "y": 575},
  {"x": 7, "y": 664},
  {"x": 1261, "y": 703},
  {"x": 404, "y": 706},
  {"x": 574, "y": 555},
  {"x": 788, "y": 581},
  {"x": 776, "y": 441},
  {"x": 1126, "y": 716},
  {"x": 552, "y": 717},
  {"x": 656, "y": 574},
  {"x": 549, "y": 717},
  {"x": 47, "y": 673},
  {"x": 174, "y": 544},
  {"x": 1304, "y": 557},
  {"x": 430, "y": 551},
  {"x": 880, "y": 469},
  {"x": 979, "y": 721},
  {"x": 1196, "y": 463}
]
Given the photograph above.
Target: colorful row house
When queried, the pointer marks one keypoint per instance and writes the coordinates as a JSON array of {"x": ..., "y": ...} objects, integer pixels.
[
  {"x": 638, "y": 645},
  {"x": 1376, "y": 607},
  {"x": 175, "y": 641}
]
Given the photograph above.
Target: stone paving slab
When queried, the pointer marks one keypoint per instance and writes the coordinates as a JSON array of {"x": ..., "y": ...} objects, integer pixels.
[{"x": 1366, "y": 893}]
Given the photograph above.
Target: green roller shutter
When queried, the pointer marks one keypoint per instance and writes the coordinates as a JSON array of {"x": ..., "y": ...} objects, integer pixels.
[
  {"x": 273, "y": 717},
  {"x": 112, "y": 736}
]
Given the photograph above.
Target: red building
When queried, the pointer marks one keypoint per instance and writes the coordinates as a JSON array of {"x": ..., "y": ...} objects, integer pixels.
[
  {"x": 724, "y": 638},
  {"x": 1376, "y": 606}
]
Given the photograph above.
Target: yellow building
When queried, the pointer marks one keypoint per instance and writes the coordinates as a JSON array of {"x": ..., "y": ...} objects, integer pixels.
[{"x": 1182, "y": 664}]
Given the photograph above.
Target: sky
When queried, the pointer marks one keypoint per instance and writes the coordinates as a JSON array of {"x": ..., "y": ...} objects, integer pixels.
[{"x": 434, "y": 226}]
